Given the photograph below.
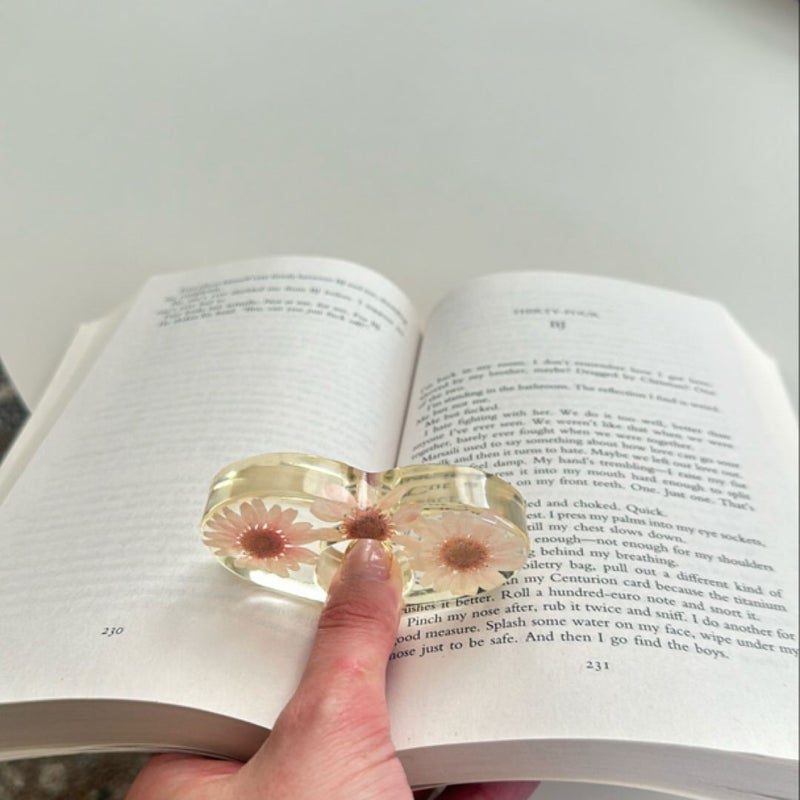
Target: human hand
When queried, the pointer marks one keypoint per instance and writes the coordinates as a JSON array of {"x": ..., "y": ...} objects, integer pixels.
[{"x": 332, "y": 741}]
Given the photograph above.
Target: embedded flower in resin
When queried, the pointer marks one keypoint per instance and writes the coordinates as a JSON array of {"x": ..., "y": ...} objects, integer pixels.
[
  {"x": 357, "y": 517},
  {"x": 255, "y": 537},
  {"x": 463, "y": 552}
]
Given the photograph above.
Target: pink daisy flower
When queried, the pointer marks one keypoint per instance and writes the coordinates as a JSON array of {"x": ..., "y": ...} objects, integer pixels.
[
  {"x": 255, "y": 537},
  {"x": 463, "y": 552},
  {"x": 358, "y": 517}
]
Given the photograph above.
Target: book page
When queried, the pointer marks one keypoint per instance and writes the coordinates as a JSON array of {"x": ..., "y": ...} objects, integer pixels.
[
  {"x": 86, "y": 345},
  {"x": 657, "y": 454},
  {"x": 106, "y": 589}
]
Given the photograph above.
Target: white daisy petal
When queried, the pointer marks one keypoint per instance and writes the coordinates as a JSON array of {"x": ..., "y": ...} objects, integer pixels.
[
  {"x": 362, "y": 515},
  {"x": 255, "y": 537},
  {"x": 337, "y": 493},
  {"x": 405, "y": 516},
  {"x": 392, "y": 498},
  {"x": 463, "y": 552},
  {"x": 330, "y": 510},
  {"x": 248, "y": 514}
]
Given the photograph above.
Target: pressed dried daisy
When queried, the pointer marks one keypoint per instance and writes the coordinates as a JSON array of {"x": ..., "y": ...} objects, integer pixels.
[
  {"x": 463, "y": 552},
  {"x": 358, "y": 517},
  {"x": 255, "y": 537}
]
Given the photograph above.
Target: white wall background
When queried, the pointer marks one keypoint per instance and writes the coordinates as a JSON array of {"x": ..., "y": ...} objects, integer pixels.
[{"x": 650, "y": 140}]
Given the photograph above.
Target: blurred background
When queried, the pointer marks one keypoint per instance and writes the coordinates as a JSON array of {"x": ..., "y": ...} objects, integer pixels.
[{"x": 432, "y": 141}]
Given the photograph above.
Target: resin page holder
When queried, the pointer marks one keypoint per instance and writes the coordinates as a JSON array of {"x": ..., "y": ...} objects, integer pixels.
[{"x": 285, "y": 521}]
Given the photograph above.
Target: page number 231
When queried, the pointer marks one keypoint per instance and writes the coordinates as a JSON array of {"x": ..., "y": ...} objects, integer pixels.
[{"x": 596, "y": 666}]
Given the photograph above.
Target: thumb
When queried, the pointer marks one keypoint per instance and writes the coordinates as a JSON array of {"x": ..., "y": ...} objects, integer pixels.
[
  {"x": 358, "y": 626},
  {"x": 333, "y": 739},
  {"x": 338, "y": 713},
  {"x": 340, "y": 704}
]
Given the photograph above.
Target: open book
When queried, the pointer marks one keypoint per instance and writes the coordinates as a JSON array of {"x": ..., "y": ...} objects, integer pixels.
[{"x": 651, "y": 639}]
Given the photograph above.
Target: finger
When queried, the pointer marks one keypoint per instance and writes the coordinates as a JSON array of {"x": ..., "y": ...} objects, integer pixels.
[
  {"x": 358, "y": 626},
  {"x": 508, "y": 790},
  {"x": 339, "y": 709}
]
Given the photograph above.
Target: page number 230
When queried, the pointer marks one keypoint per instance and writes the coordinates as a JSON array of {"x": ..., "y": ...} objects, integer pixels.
[{"x": 113, "y": 631}]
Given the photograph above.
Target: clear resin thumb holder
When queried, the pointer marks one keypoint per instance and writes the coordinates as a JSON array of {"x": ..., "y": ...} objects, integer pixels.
[{"x": 286, "y": 520}]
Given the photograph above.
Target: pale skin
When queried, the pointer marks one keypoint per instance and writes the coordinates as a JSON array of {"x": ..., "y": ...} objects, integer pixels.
[{"x": 332, "y": 741}]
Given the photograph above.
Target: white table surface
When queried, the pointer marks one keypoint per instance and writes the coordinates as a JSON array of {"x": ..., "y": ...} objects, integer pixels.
[{"x": 655, "y": 141}]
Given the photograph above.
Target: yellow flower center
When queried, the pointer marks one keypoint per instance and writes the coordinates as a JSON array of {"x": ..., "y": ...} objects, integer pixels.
[
  {"x": 463, "y": 554},
  {"x": 262, "y": 542},
  {"x": 367, "y": 523}
]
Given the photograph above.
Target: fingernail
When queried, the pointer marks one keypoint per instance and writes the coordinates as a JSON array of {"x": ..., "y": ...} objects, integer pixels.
[{"x": 367, "y": 560}]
